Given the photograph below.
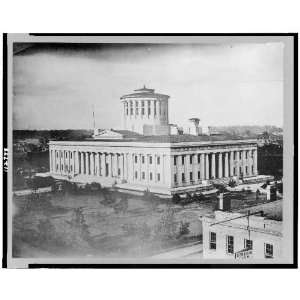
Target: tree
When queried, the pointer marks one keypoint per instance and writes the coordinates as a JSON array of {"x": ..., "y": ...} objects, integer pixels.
[
  {"x": 167, "y": 226},
  {"x": 78, "y": 223}
]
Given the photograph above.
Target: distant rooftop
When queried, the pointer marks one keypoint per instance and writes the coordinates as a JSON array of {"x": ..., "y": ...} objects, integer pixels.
[
  {"x": 145, "y": 93},
  {"x": 184, "y": 138}
]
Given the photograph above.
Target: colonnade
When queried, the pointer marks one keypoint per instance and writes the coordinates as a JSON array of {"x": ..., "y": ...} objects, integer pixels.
[
  {"x": 68, "y": 162},
  {"x": 191, "y": 168},
  {"x": 134, "y": 167},
  {"x": 147, "y": 108}
]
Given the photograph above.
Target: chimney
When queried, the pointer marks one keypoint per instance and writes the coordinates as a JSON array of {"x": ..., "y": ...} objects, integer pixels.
[
  {"x": 224, "y": 202},
  {"x": 194, "y": 128}
]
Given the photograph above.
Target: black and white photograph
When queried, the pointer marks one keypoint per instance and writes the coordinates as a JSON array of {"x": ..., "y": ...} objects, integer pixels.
[{"x": 150, "y": 150}]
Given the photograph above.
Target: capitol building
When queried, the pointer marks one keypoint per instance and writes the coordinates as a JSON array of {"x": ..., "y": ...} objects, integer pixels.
[{"x": 150, "y": 154}]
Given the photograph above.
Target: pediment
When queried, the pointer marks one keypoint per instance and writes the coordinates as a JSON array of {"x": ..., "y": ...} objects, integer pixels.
[{"x": 108, "y": 134}]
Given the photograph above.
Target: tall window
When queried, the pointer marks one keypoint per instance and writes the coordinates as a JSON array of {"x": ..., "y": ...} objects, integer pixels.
[
  {"x": 198, "y": 174},
  {"x": 126, "y": 108},
  {"x": 191, "y": 176},
  {"x": 143, "y": 175},
  {"x": 212, "y": 240},
  {"x": 198, "y": 156},
  {"x": 182, "y": 160},
  {"x": 143, "y": 159},
  {"x": 136, "y": 174},
  {"x": 175, "y": 160},
  {"x": 175, "y": 178},
  {"x": 135, "y": 159},
  {"x": 182, "y": 177},
  {"x": 136, "y": 107},
  {"x": 158, "y": 160},
  {"x": 248, "y": 244},
  {"x": 191, "y": 159},
  {"x": 149, "y": 108},
  {"x": 158, "y": 177},
  {"x": 230, "y": 244},
  {"x": 154, "y": 103},
  {"x": 131, "y": 108},
  {"x": 150, "y": 175},
  {"x": 150, "y": 160},
  {"x": 268, "y": 250},
  {"x": 143, "y": 107},
  {"x": 159, "y": 105}
]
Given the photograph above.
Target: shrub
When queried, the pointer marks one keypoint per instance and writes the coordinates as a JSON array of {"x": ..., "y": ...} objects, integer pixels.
[{"x": 184, "y": 228}]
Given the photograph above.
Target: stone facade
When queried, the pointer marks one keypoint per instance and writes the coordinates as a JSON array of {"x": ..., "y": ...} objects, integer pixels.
[
  {"x": 227, "y": 240},
  {"x": 146, "y": 112},
  {"x": 165, "y": 168}
]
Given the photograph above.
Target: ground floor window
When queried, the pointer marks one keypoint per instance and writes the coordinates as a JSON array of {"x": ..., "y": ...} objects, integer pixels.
[
  {"x": 268, "y": 250},
  {"x": 143, "y": 175},
  {"x": 158, "y": 177},
  {"x": 136, "y": 174},
  {"x": 119, "y": 171},
  {"x": 198, "y": 174},
  {"x": 248, "y": 244},
  {"x": 191, "y": 176},
  {"x": 150, "y": 175},
  {"x": 230, "y": 244},
  {"x": 106, "y": 169},
  {"x": 212, "y": 240},
  {"x": 183, "y": 177},
  {"x": 175, "y": 178}
]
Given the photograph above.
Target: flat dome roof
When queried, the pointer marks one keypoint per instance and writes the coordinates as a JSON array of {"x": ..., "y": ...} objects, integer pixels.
[{"x": 145, "y": 93}]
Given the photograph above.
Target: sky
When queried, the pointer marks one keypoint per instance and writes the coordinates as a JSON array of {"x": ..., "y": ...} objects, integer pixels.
[{"x": 56, "y": 86}]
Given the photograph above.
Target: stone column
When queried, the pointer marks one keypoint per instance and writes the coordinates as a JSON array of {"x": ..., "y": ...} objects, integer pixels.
[
  {"x": 202, "y": 166},
  {"x": 152, "y": 108},
  {"x": 157, "y": 109},
  {"x": 121, "y": 160},
  {"x": 53, "y": 162},
  {"x": 213, "y": 165},
  {"x": 103, "y": 165},
  {"x": 92, "y": 164},
  {"x": 186, "y": 168},
  {"x": 50, "y": 161},
  {"x": 73, "y": 162},
  {"x": 177, "y": 169},
  {"x": 237, "y": 153},
  {"x": 98, "y": 163},
  {"x": 60, "y": 161},
  {"x": 255, "y": 162},
  {"x": 206, "y": 166},
  {"x": 226, "y": 165},
  {"x": 244, "y": 163},
  {"x": 109, "y": 158},
  {"x": 195, "y": 174},
  {"x": 80, "y": 165},
  {"x": 87, "y": 164},
  {"x": 231, "y": 165},
  {"x": 220, "y": 173}
]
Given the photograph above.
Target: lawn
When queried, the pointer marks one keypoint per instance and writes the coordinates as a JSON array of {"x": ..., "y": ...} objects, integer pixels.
[{"x": 108, "y": 224}]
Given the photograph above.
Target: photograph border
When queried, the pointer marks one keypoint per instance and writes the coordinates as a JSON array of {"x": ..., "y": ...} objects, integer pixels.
[{"x": 160, "y": 265}]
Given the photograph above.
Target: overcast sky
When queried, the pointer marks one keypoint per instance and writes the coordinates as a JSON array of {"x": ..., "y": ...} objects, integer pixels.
[{"x": 55, "y": 86}]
